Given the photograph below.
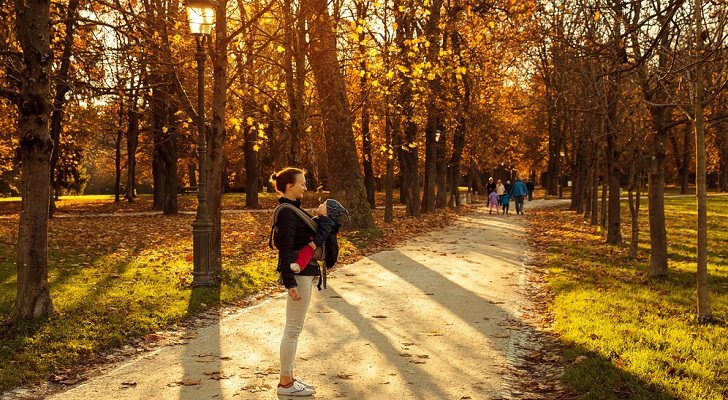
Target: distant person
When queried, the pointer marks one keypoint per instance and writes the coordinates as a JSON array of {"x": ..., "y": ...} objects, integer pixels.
[
  {"x": 329, "y": 216},
  {"x": 518, "y": 192},
  {"x": 292, "y": 234},
  {"x": 505, "y": 200},
  {"x": 500, "y": 189},
  {"x": 493, "y": 203},
  {"x": 489, "y": 188},
  {"x": 530, "y": 187},
  {"x": 508, "y": 186}
]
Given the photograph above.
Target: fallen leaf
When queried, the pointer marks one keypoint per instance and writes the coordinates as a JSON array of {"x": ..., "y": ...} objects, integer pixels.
[
  {"x": 580, "y": 359},
  {"x": 189, "y": 381},
  {"x": 345, "y": 376}
]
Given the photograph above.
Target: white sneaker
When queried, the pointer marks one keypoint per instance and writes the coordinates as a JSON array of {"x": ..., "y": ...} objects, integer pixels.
[
  {"x": 296, "y": 389},
  {"x": 299, "y": 380}
]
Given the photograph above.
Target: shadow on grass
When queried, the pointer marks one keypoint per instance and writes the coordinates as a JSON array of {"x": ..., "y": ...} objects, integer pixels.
[{"x": 593, "y": 376}]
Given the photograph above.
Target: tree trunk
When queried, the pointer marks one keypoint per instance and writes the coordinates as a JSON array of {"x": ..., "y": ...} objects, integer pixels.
[
  {"x": 723, "y": 159},
  {"x": 683, "y": 156},
  {"x": 132, "y": 141},
  {"x": 459, "y": 134},
  {"x": 117, "y": 155},
  {"x": 407, "y": 143},
  {"x": 588, "y": 184},
  {"x": 216, "y": 135},
  {"x": 654, "y": 93},
  {"x": 604, "y": 205},
  {"x": 59, "y": 100},
  {"x": 367, "y": 154},
  {"x": 33, "y": 29},
  {"x": 635, "y": 185},
  {"x": 295, "y": 71},
  {"x": 595, "y": 187},
  {"x": 705, "y": 312},
  {"x": 441, "y": 167},
  {"x": 434, "y": 113},
  {"x": 345, "y": 176},
  {"x": 614, "y": 234},
  {"x": 656, "y": 198},
  {"x": 366, "y": 139},
  {"x": 389, "y": 179},
  {"x": 164, "y": 163},
  {"x": 251, "y": 168}
]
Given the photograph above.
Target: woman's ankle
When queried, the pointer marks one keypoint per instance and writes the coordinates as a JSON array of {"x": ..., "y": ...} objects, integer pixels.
[{"x": 285, "y": 381}]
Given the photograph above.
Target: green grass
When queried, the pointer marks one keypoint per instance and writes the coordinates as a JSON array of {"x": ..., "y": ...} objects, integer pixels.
[{"x": 640, "y": 338}]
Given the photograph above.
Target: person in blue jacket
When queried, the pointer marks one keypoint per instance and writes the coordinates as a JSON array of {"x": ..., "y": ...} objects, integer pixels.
[{"x": 518, "y": 192}]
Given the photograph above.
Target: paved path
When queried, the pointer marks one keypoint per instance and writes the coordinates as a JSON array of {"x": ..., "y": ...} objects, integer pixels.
[{"x": 432, "y": 319}]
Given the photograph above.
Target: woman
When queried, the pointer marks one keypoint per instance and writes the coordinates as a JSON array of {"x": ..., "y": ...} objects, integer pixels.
[
  {"x": 291, "y": 235},
  {"x": 501, "y": 190}
]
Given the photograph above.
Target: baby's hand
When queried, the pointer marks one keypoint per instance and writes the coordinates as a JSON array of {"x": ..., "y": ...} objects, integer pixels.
[
  {"x": 312, "y": 245},
  {"x": 321, "y": 210},
  {"x": 295, "y": 268}
]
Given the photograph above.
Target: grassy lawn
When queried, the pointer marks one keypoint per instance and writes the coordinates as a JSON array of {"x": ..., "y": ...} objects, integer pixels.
[
  {"x": 113, "y": 279},
  {"x": 627, "y": 337}
]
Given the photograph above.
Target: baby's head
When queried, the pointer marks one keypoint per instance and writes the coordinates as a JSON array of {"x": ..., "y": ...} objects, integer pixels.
[{"x": 335, "y": 210}]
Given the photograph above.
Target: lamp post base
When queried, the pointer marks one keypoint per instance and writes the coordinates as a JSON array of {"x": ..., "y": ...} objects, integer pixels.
[{"x": 201, "y": 251}]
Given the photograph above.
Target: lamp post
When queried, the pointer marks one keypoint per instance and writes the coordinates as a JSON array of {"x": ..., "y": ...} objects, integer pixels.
[{"x": 201, "y": 15}]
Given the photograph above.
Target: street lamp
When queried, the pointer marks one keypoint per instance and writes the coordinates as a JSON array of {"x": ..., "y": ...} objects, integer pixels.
[{"x": 201, "y": 16}]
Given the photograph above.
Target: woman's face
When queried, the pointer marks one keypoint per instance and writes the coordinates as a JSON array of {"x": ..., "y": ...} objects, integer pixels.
[{"x": 295, "y": 190}]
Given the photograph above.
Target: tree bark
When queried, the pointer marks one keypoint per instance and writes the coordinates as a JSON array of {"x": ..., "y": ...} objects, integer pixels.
[
  {"x": 634, "y": 194},
  {"x": 366, "y": 136},
  {"x": 614, "y": 234},
  {"x": 389, "y": 179},
  {"x": 117, "y": 154},
  {"x": 407, "y": 138},
  {"x": 459, "y": 131},
  {"x": 251, "y": 168},
  {"x": 723, "y": 159},
  {"x": 344, "y": 173},
  {"x": 33, "y": 298},
  {"x": 705, "y": 312},
  {"x": 164, "y": 153},
  {"x": 132, "y": 141},
  {"x": 59, "y": 100},
  {"x": 655, "y": 95},
  {"x": 216, "y": 134},
  {"x": 656, "y": 199},
  {"x": 295, "y": 72},
  {"x": 594, "y": 219},
  {"x": 434, "y": 113}
]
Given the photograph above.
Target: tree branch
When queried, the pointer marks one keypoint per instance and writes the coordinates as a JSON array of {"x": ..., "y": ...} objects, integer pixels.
[{"x": 10, "y": 95}]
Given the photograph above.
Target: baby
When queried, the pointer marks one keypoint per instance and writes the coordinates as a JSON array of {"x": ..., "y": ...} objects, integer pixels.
[{"x": 328, "y": 216}]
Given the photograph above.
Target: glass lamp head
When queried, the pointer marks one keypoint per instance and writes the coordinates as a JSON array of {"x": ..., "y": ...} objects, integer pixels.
[{"x": 201, "y": 16}]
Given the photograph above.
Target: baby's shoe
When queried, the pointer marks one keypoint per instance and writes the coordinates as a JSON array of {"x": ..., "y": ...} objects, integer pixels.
[{"x": 295, "y": 268}]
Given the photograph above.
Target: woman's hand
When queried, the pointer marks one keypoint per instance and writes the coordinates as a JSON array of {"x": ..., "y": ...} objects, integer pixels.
[{"x": 293, "y": 292}]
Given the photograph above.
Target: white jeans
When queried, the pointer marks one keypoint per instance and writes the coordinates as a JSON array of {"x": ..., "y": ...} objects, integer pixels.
[{"x": 295, "y": 316}]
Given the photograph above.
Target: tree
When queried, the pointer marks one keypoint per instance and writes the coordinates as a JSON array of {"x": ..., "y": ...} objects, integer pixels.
[
  {"x": 344, "y": 173},
  {"x": 32, "y": 19},
  {"x": 705, "y": 312}
]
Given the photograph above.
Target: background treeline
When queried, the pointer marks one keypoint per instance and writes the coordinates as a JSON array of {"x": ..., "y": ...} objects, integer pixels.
[{"x": 420, "y": 95}]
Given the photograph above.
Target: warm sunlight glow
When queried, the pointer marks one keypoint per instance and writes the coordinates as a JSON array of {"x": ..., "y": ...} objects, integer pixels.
[{"x": 201, "y": 16}]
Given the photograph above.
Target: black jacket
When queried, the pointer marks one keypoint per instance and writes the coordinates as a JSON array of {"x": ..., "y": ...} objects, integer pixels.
[{"x": 291, "y": 235}]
